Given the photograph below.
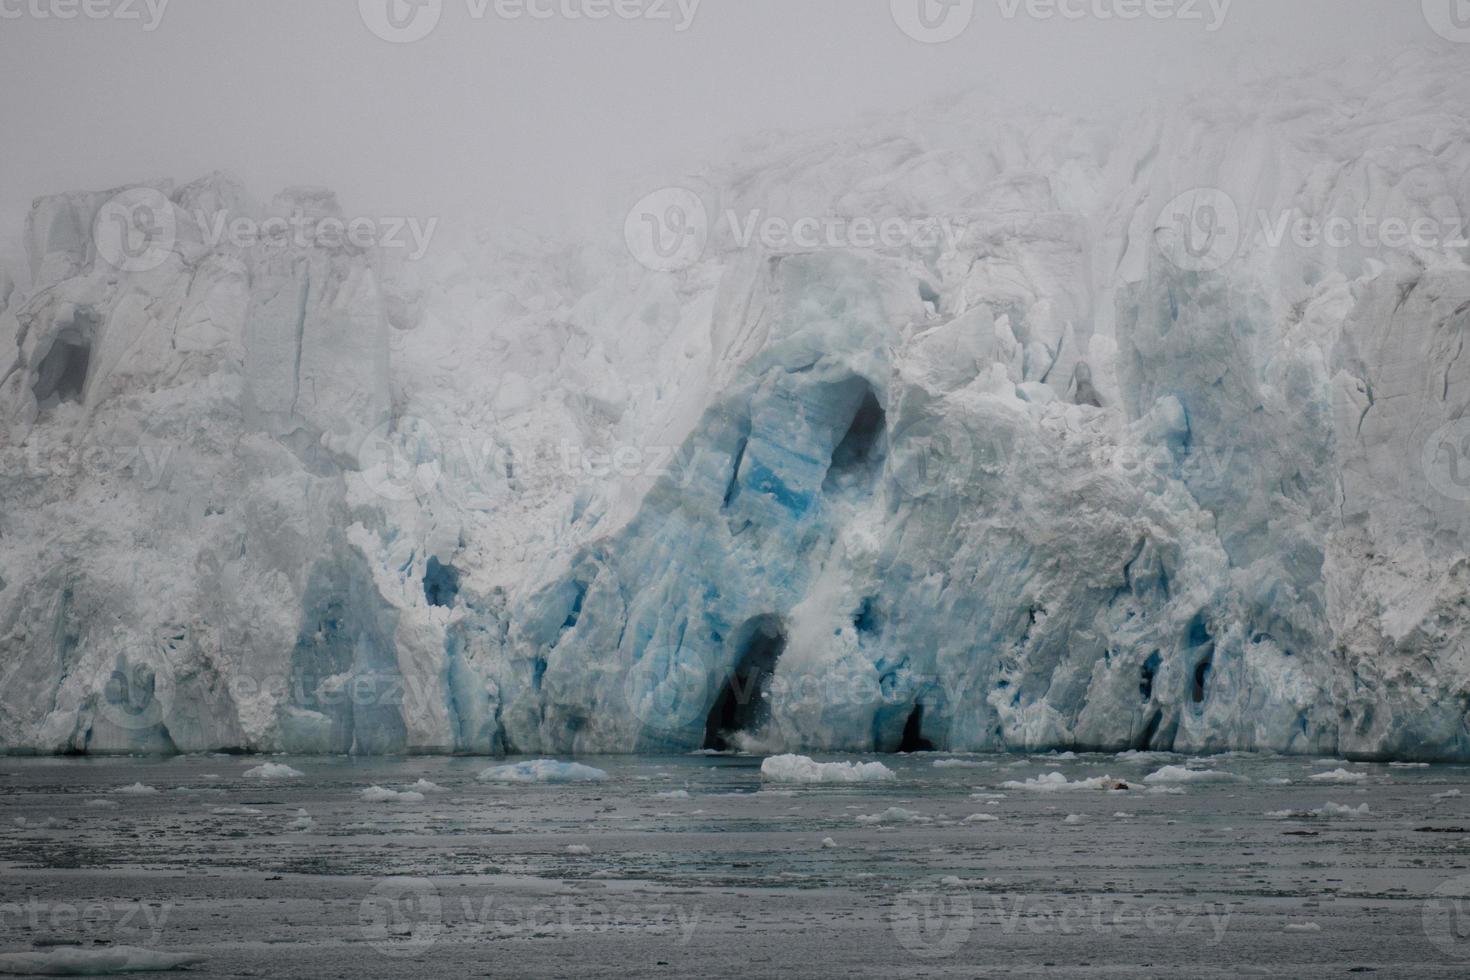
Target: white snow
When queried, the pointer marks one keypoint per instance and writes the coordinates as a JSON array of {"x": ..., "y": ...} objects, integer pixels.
[
  {"x": 543, "y": 771},
  {"x": 802, "y": 769}
]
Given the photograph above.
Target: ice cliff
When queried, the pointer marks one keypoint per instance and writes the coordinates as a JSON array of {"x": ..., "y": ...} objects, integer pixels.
[{"x": 1059, "y": 475}]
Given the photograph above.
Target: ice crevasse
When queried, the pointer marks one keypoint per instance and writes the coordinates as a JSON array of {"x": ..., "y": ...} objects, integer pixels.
[{"x": 1036, "y": 483}]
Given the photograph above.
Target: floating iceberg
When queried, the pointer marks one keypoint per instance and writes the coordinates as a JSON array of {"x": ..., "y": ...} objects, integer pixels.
[
  {"x": 802, "y": 769},
  {"x": 77, "y": 962},
  {"x": 543, "y": 771},
  {"x": 380, "y": 794},
  {"x": 1183, "y": 774},
  {"x": 272, "y": 770},
  {"x": 1052, "y": 782}
]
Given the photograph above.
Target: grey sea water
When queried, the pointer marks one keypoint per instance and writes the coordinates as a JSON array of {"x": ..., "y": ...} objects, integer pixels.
[{"x": 694, "y": 866}]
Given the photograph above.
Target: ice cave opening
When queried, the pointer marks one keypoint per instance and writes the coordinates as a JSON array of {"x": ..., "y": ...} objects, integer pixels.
[
  {"x": 859, "y": 454},
  {"x": 741, "y": 706},
  {"x": 62, "y": 375},
  {"x": 441, "y": 583},
  {"x": 913, "y": 733}
]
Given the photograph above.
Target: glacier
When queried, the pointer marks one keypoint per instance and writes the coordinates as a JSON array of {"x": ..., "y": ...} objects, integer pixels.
[{"x": 1051, "y": 480}]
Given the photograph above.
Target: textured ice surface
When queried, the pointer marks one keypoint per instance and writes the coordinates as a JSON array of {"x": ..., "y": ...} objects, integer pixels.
[{"x": 1034, "y": 486}]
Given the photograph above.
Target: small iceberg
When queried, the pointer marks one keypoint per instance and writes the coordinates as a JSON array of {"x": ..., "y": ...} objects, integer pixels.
[
  {"x": 74, "y": 961},
  {"x": 543, "y": 771},
  {"x": 801, "y": 769}
]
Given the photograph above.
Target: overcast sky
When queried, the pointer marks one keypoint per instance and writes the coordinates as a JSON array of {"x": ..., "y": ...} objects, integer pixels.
[{"x": 488, "y": 117}]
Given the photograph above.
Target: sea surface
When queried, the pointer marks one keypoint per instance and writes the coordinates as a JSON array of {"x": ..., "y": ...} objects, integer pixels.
[{"x": 696, "y": 866}]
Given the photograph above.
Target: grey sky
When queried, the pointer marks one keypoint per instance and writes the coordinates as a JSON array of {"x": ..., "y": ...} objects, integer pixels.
[{"x": 487, "y": 118}]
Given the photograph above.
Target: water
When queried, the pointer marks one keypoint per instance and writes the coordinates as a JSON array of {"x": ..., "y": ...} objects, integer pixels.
[{"x": 614, "y": 879}]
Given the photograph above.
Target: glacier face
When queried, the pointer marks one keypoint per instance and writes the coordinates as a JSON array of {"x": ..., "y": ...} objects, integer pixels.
[{"x": 1059, "y": 480}]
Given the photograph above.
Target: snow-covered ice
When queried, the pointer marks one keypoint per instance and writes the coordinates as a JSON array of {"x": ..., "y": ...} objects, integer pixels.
[{"x": 1041, "y": 484}]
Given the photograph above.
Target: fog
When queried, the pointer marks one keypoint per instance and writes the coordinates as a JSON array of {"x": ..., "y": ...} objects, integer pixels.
[{"x": 493, "y": 118}]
